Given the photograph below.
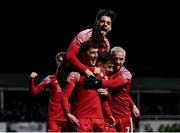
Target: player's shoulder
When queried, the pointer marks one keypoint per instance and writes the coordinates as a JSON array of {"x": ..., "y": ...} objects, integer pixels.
[
  {"x": 47, "y": 78},
  {"x": 53, "y": 77},
  {"x": 83, "y": 36},
  {"x": 85, "y": 33},
  {"x": 124, "y": 69},
  {"x": 126, "y": 73}
]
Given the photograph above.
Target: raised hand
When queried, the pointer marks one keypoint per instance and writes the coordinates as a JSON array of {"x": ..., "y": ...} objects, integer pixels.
[
  {"x": 33, "y": 75},
  {"x": 89, "y": 73}
]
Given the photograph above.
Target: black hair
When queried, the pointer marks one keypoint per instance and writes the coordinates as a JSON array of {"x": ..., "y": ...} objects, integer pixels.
[
  {"x": 104, "y": 57},
  {"x": 85, "y": 46},
  {"x": 106, "y": 12}
]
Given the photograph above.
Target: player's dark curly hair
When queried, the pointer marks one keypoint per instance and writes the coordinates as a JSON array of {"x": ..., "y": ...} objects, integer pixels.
[
  {"x": 106, "y": 12},
  {"x": 87, "y": 45},
  {"x": 104, "y": 57}
]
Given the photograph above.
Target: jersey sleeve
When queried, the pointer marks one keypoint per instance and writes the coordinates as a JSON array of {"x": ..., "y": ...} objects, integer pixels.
[
  {"x": 115, "y": 82},
  {"x": 40, "y": 87},
  {"x": 71, "y": 81},
  {"x": 72, "y": 51},
  {"x": 109, "y": 97},
  {"x": 106, "y": 108}
]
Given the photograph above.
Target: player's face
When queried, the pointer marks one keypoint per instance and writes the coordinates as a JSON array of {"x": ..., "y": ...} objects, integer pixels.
[
  {"x": 109, "y": 68},
  {"x": 59, "y": 61},
  {"x": 119, "y": 59},
  {"x": 90, "y": 57},
  {"x": 104, "y": 25}
]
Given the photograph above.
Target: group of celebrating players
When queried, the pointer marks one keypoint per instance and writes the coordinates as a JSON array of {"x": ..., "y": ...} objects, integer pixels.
[{"x": 90, "y": 90}]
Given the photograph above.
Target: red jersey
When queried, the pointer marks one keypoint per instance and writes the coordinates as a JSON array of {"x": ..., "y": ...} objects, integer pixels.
[
  {"x": 105, "y": 99},
  {"x": 55, "y": 111},
  {"x": 76, "y": 43},
  {"x": 86, "y": 102},
  {"x": 119, "y": 87}
]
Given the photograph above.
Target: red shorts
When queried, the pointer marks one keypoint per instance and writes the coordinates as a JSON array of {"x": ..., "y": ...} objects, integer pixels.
[
  {"x": 57, "y": 126},
  {"x": 124, "y": 125},
  {"x": 108, "y": 128},
  {"x": 91, "y": 125}
]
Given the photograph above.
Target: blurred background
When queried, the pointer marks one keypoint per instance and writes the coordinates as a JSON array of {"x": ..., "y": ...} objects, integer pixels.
[{"x": 31, "y": 33}]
